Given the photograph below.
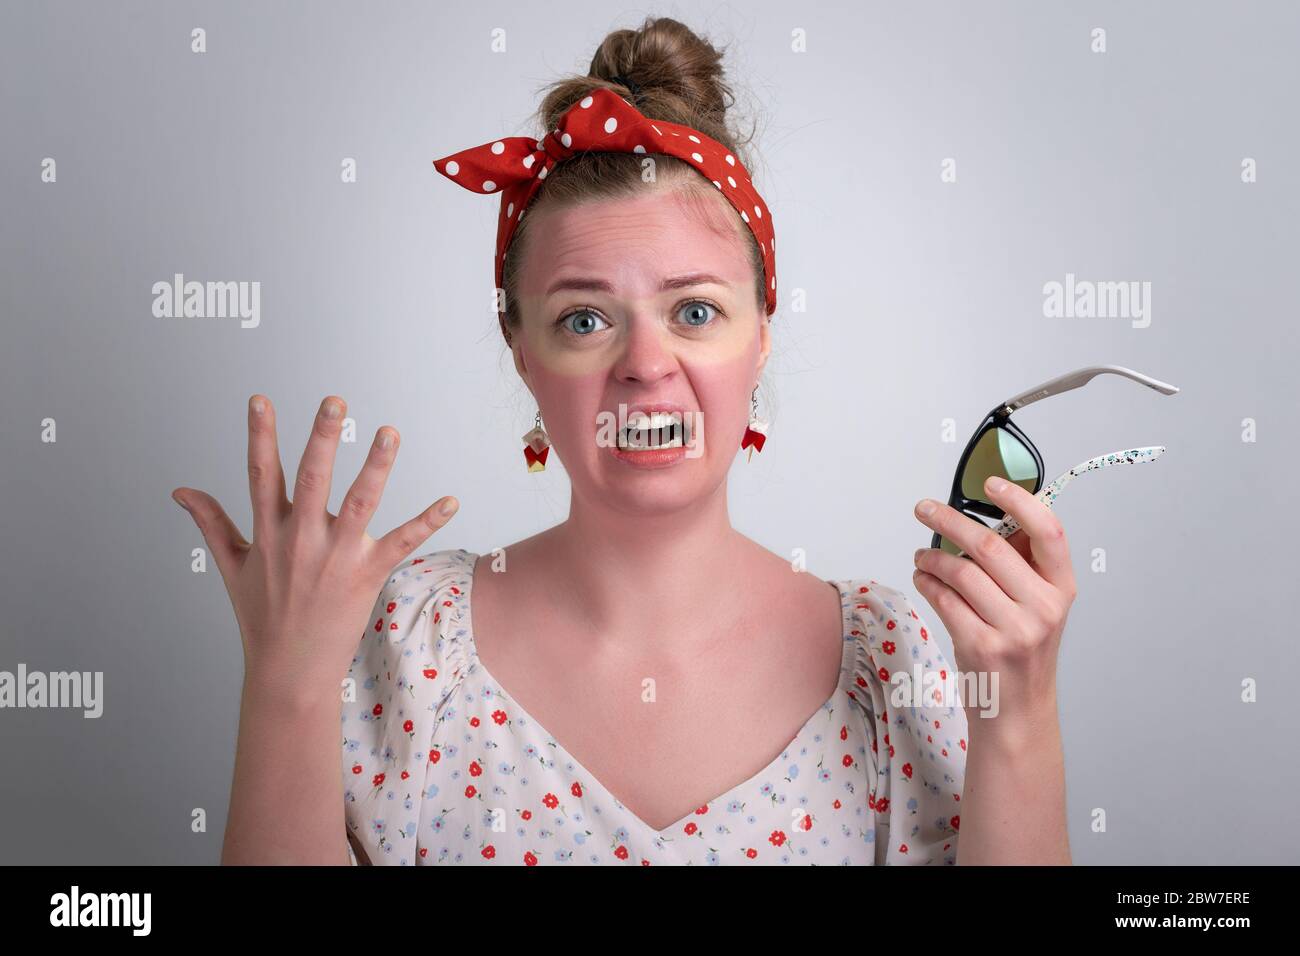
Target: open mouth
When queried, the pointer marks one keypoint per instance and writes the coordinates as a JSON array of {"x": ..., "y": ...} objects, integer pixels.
[{"x": 657, "y": 430}]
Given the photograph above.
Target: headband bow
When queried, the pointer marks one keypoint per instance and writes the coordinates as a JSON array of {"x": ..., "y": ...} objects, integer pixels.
[{"x": 605, "y": 122}]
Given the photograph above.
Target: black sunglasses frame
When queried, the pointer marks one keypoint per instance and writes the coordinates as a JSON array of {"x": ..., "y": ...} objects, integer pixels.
[{"x": 1000, "y": 417}]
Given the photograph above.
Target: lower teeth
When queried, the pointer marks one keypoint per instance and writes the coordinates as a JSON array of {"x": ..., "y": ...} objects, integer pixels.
[{"x": 639, "y": 440}]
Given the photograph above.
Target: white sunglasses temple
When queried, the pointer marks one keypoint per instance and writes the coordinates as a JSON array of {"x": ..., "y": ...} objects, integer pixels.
[{"x": 1009, "y": 525}]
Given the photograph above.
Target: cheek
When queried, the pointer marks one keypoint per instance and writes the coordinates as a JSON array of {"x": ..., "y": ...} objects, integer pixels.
[
  {"x": 723, "y": 388},
  {"x": 570, "y": 399}
]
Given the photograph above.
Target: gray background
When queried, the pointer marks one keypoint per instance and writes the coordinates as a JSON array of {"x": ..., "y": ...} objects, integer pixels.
[{"x": 925, "y": 303}]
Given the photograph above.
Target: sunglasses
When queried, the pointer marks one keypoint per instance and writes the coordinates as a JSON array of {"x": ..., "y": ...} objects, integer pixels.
[{"x": 1000, "y": 448}]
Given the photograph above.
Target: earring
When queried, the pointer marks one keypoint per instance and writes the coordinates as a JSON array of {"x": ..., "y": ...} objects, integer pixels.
[
  {"x": 536, "y": 445},
  {"x": 756, "y": 433}
]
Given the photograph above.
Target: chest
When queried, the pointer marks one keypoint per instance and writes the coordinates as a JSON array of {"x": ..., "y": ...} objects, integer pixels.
[{"x": 666, "y": 733}]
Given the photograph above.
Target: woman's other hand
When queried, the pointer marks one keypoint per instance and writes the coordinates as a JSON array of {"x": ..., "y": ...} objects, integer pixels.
[{"x": 304, "y": 587}]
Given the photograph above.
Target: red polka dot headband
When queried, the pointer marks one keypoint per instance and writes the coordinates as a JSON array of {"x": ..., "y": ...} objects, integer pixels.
[{"x": 605, "y": 122}]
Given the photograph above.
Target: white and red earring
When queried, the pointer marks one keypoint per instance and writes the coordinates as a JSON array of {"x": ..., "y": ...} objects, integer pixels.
[
  {"x": 756, "y": 433},
  {"x": 536, "y": 445}
]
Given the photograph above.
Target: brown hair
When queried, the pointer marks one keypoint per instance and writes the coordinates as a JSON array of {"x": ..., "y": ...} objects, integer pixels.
[{"x": 678, "y": 78}]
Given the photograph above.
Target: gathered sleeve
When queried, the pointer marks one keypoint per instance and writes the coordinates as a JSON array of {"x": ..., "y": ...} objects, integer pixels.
[
  {"x": 408, "y": 662},
  {"x": 917, "y": 738}
]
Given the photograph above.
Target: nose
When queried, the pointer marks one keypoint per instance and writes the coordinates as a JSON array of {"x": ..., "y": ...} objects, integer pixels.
[{"x": 647, "y": 354}]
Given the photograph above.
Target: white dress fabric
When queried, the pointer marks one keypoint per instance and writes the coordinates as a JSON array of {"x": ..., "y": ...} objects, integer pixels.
[{"x": 440, "y": 765}]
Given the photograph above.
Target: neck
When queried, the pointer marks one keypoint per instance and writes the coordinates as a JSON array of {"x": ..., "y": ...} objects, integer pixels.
[{"x": 629, "y": 575}]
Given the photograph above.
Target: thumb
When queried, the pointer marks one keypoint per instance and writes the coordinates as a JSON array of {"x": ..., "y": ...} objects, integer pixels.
[{"x": 222, "y": 537}]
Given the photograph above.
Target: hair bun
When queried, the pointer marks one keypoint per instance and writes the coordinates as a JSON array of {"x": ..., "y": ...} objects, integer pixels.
[{"x": 670, "y": 72}]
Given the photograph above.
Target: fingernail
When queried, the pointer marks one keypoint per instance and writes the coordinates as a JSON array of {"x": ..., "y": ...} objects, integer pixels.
[
  {"x": 925, "y": 507},
  {"x": 257, "y": 405},
  {"x": 180, "y": 502},
  {"x": 447, "y": 507},
  {"x": 994, "y": 484},
  {"x": 332, "y": 410}
]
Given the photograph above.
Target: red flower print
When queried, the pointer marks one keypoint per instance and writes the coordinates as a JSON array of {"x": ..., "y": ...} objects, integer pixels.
[
  {"x": 944, "y": 751},
  {"x": 576, "y": 789},
  {"x": 405, "y": 774},
  {"x": 529, "y": 859},
  {"x": 392, "y": 626},
  {"x": 470, "y": 791},
  {"x": 844, "y": 732},
  {"x": 551, "y": 801},
  {"x": 848, "y": 760},
  {"x": 418, "y": 561},
  {"x": 392, "y": 606},
  {"x": 377, "y": 780},
  {"x": 473, "y": 721},
  {"x": 871, "y": 800},
  {"x": 431, "y": 672},
  {"x": 408, "y": 726},
  {"x": 806, "y": 823},
  {"x": 888, "y": 646},
  {"x": 437, "y": 615},
  {"x": 891, "y": 750},
  {"x": 777, "y": 838},
  {"x": 861, "y": 681},
  {"x": 455, "y": 590},
  {"x": 645, "y": 862},
  {"x": 700, "y": 811},
  {"x": 378, "y": 709},
  {"x": 424, "y": 851},
  {"x": 962, "y": 743},
  {"x": 891, "y": 624},
  {"x": 356, "y": 768},
  {"x": 474, "y": 769},
  {"x": 836, "y": 804},
  {"x": 527, "y": 814},
  {"x": 882, "y": 805},
  {"x": 446, "y": 604},
  {"x": 751, "y": 853},
  {"x": 621, "y": 853},
  {"x": 924, "y": 635},
  {"x": 883, "y": 674},
  {"x": 864, "y": 589},
  {"x": 435, "y": 756},
  {"x": 379, "y": 624},
  {"x": 902, "y": 848},
  {"x": 489, "y": 852},
  {"x": 690, "y": 829},
  {"x": 956, "y": 822},
  {"x": 907, "y": 771},
  {"x": 499, "y": 716}
]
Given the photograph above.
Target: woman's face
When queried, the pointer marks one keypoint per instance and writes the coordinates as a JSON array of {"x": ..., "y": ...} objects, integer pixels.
[{"x": 640, "y": 300}]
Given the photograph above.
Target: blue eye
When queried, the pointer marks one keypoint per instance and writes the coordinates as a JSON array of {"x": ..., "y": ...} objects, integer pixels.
[
  {"x": 585, "y": 327},
  {"x": 693, "y": 308}
]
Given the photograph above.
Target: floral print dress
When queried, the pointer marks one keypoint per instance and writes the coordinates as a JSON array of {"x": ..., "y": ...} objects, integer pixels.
[{"x": 440, "y": 765}]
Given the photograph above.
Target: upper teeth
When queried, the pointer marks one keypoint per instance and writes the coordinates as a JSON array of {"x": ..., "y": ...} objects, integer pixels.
[
  {"x": 640, "y": 424},
  {"x": 653, "y": 419}
]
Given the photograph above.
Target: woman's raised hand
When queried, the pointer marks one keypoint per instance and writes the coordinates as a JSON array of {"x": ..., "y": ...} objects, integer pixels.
[{"x": 303, "y": 589}]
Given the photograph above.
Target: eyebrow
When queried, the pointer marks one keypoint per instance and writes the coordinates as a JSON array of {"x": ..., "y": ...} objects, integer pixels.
[{"x": 585, "y": 284}]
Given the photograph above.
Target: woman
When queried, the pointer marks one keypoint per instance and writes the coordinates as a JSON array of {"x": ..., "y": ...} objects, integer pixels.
[{"x": 685, "y": 696}]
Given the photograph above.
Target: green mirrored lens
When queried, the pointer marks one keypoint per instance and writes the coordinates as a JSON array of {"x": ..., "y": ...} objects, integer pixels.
[{"x": 998, "y": 452}]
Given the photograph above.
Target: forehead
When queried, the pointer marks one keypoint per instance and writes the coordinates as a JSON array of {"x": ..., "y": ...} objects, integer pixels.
[{"x": 635, "y": 239}]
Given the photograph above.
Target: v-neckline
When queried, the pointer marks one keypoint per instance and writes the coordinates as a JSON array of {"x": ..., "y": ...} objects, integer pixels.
[{"x": 592, "y": 781}]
